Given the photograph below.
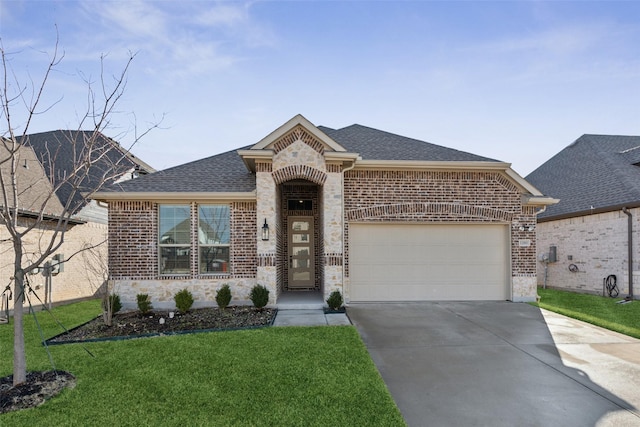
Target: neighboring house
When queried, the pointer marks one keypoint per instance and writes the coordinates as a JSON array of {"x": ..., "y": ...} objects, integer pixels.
[
  {"x": 377, "y": 216},
  {"x": 597, "y": 179},
  {"x": 44, "y": 159}
]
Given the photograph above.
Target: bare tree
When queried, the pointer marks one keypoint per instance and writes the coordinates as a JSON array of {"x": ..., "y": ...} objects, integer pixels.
[
  {"x": 96, "y": 270},
  {"x": 96, "y": 162}
]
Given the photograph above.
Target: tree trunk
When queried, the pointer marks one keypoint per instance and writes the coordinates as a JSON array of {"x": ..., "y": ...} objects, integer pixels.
[{"x": 19, "y": 357}]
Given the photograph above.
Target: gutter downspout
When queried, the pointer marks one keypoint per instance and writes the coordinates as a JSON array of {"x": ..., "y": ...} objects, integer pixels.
[{"x": 630, "y": 249}]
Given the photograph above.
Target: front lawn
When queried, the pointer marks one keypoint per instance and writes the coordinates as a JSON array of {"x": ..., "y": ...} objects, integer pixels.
[
  {"x": 597, "y": 310},
  {"x": 291, "y": 376}
]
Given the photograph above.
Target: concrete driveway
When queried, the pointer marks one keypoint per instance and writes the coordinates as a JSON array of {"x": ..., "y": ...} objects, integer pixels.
[{"x": 500, "y": 364}]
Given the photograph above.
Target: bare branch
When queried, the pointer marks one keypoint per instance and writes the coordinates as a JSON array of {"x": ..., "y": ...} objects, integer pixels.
[{"x": 39, "y": 205}]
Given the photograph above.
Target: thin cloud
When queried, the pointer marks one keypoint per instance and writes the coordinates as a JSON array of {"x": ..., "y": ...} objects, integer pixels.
[
  {"x": 136, "y": 18},
  {"x": 186, "y": 39},
  {"x": 224, "y": 14}
]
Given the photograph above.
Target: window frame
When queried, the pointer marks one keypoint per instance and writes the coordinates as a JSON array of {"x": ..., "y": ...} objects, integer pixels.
[
  {"x": 226, "y": 247},
  {"x": 177, "y": 246}
]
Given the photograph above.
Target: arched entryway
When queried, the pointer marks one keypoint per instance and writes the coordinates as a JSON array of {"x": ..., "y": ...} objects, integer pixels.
[{"x": 300, "y": 239}]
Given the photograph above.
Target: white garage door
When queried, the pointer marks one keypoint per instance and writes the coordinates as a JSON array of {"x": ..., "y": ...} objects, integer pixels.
[{"x": 415, "y": 262}]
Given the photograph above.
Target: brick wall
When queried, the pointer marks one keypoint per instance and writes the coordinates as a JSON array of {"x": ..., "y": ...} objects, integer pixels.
[
  {"x": 133, "y": 230},
  {"x": 442, "y": 196},
  {"x": 244, "y": 233},
  {"x": 595, "y": 244},
  {"x": 133, "y": 248}
]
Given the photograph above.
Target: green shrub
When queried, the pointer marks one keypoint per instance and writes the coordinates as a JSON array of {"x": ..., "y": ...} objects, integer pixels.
[
  {"x": 184, "y": 300},
  {"x": 223, "y": 296},
  {"x": 259, "y": 296},
  {"x": 335, "y": 300},
  {"x": 112, "y": 301},
  {"x": 144, "y": 303}
]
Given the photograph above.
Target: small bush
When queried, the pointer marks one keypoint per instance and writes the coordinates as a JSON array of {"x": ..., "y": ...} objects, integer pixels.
[
  {"x": 144, "y": 303},
  {"x": 335, "y": 300},
  {"x": 259, "y": 296},
  {"x": 112, "y": 301},
  {"x": 223, "y": 296},
  {"x": 184, "y": 300}
]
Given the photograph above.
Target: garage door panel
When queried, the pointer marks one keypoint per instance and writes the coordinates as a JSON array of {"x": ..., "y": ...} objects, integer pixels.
[{"x": 404, "y": 262}]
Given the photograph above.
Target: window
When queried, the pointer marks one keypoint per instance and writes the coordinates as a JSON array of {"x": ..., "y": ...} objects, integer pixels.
[
  {"x": 213, "y": 238},
  {"x": 299, "y": 205},
  {"x": 174, "y": 239}
]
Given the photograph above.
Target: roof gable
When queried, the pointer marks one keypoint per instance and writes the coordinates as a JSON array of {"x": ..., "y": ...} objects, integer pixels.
[
  {"x": 35, "y": 192},
  {"x": 298, "y": 128},
  {"x": 59, "y": 152},
  {"x": 593, "y": 174}
]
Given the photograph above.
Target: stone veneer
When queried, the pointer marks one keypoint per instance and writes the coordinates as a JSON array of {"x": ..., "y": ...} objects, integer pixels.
[
  {"x": 596, "y": 244},
  {"x": 299, "y": 156}
]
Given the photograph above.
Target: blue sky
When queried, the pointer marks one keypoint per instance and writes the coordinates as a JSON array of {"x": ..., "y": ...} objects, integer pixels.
[{"x": 512, "y": 80}]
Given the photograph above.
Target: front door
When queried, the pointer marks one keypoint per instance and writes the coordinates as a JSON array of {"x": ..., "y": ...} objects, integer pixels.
[{"x": 301, "y": 253}]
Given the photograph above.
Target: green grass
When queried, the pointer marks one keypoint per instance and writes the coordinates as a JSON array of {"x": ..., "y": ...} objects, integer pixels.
[
  {"x": 291, "y": 376},
  {"x": 597, "y": 310}
]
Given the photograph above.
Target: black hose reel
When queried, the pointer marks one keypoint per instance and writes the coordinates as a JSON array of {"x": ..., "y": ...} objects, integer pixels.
[{"x": 610, "y": 283}]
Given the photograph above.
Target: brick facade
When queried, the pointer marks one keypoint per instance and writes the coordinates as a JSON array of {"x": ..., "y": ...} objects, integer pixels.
[
  {"x": 596, "y": 245},
  {"x": 133, "y": 240},
  {"x": 300, "y": 168},
  {"x": 443, "y": 196}
]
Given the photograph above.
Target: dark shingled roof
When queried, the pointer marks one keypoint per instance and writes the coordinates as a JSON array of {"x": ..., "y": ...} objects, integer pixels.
[
  {"x": 222, "y": 173},
  {"x": 373, "y": 144},
  {"x": 596, "y": 172},
  {"x": 227, "y": 172},
  {"x": 55, "y": 151}
]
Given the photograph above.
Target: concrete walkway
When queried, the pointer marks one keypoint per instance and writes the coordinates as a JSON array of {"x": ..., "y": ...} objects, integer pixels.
[
  {"x": 312, "y": 317},
  {"x": 500, "y": 364}
]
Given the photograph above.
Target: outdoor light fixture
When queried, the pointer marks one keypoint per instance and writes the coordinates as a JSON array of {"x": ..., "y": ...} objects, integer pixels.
[{"x": 265, "y": 230}]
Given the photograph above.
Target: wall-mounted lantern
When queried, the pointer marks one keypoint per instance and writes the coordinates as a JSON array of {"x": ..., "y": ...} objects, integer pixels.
[{"x": 265, "y": 230}]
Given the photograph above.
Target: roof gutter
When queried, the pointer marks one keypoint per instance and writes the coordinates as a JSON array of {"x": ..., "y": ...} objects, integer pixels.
[
  {"x": 48, "y": 217},
  {"x": 436, "y": 165},
  {"x": 587, "y": 212},
  {"x": 540, "y": 201},
  {"x": 174, "y": 196}
]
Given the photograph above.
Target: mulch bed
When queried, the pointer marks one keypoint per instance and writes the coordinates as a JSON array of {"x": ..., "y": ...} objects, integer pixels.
[
  {"x": 41, "y": 386},
  {"x": 135, "y": 325}
]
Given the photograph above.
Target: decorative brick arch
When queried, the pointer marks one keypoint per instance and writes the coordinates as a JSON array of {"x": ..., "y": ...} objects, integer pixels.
[
  {"x": 292, "y": 172},
  {"x": 439, "y": 211}
]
